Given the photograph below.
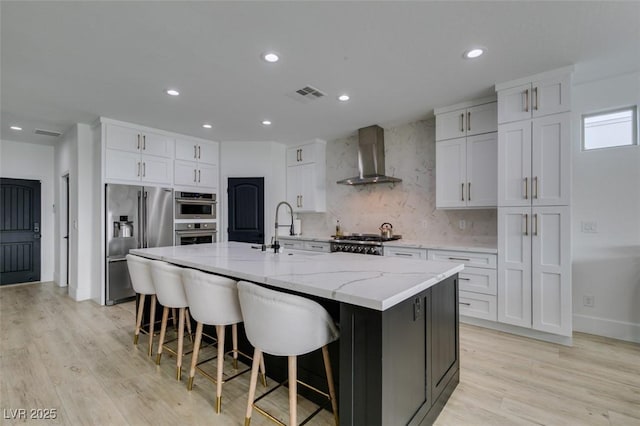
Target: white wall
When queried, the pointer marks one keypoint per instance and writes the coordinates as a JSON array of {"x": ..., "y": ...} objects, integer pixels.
[
  {"x": 21, "y": 160},
  {"x": 253, "y": 159},
  {"x": 606, "y": 190}
]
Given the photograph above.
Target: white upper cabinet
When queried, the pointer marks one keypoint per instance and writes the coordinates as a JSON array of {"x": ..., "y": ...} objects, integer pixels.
[
  {"x": 547, "y": 94},
  {"x": 133, "y": 140},
  {"x": 306, "y": 177},
  {"x": 196, "y": 163},
  {"x": 466, "y": 155},
  {"x": 534, "y": 163},
  {"x": 197, "y": 150},
  {"x": 472, "y": 120}
]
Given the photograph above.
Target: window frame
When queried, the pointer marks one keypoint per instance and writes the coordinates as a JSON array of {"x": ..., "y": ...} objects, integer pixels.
[{"x": 634, "y": 127}]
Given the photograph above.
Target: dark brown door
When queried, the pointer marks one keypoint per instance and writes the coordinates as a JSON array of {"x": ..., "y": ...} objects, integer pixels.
[
  {"x": 19, "y": 231},
  {"x": 246, "y": 210}
]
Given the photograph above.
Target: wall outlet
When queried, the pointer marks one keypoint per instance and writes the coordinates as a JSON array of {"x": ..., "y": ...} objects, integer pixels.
[
  {"x": 589, "y": 227},
  {"x": 424, "y": 223},
  {"x": 462, "y": 224},
  {"x": 588, "y": 300}
]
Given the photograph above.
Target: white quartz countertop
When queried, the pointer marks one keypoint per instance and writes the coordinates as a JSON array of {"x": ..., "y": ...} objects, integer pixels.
[
  {"x": 479, "y": 247},
  {"x": 374, "y": 282}
]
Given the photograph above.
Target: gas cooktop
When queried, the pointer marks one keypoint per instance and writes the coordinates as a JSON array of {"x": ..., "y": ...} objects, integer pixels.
[
  {"x": 365, "y": 238},
  {"x": 361, "y": 243}
]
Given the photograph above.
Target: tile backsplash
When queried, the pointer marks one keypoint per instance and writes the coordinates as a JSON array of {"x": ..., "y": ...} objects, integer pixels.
[{"x": 409, "y": 205}]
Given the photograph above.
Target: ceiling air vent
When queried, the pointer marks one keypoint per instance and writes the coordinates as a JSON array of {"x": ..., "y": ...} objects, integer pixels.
[
  {"x": 47, "y": 133},
  {"x": 307, "y": 94}
]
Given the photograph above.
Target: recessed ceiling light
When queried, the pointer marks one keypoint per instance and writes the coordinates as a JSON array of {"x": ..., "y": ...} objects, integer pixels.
[
  {"x": 207, "y": 126},
  {"x": 16, "y": 128},
  {"x": 474, "y": 53},
  {"x": 266, "y": 123},
  {"x": 271, "y": 57},
  {"x": 343, "y": 98},
  {"x": 172, "y": 92}
]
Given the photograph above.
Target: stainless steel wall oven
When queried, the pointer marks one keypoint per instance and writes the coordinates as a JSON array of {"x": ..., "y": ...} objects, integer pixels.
[
  {"x": 195, "y": 205},
  {"x": 195, "y": 233}
]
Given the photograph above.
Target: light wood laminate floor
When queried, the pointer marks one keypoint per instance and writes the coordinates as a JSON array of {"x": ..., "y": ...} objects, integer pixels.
[{"x": 79, "y": 359}]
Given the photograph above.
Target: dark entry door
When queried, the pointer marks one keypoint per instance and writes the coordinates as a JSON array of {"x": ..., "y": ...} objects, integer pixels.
[
  {"x": 19, "y": 231},
  {"x": 246, "y": 210}
]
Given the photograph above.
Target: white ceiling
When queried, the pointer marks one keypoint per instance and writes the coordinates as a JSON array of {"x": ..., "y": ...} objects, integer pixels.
[{"x": 69, "y": 62}]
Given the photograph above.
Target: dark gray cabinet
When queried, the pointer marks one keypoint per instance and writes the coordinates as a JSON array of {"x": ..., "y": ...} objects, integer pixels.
[{"x": 400, "y": 366}]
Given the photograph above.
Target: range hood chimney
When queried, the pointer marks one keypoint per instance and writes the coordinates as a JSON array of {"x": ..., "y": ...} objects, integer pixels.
[{"x": 370, "y": 158}]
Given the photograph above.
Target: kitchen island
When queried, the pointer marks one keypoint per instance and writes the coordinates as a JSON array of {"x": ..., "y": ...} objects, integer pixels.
[{"x": 399, "y": 344}]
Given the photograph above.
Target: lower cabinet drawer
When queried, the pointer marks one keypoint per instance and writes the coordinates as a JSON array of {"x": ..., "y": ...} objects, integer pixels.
[
  {"x": 409, "y": 253},
  {"x": 479, "y": 280},
  {"x": 317, "y": 246},
  {"x": 292, "y": 245},
  {"x": 479, "y": 260},
  {"x": 478, "y": 305}
]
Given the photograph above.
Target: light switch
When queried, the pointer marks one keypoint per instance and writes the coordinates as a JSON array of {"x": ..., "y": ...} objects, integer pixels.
[{"x": 589, "y": 227}]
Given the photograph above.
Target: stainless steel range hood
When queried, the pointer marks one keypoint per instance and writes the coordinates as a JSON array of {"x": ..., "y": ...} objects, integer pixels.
[{"x": 370, "y": 158}]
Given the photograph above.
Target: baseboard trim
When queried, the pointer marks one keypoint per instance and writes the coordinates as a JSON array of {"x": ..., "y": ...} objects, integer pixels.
[
  {"x": 525, "y": 332},
  {"x": 78, "y": 296},
  {"x": 620, "y": 330}
]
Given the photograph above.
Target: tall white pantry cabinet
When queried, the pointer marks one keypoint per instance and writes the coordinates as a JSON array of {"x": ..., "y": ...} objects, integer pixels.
[{"x": 534, "y": 235}]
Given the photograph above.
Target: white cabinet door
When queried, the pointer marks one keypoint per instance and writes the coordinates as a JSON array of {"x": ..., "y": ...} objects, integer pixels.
[
  {"x": 551, "y": 269},
  {"x": 514, "y": 164},
  {"x": 294, "y": 187},
  {"x": 551, "y": 151},
  {"x": 156, "y": 144},
  {"x": 514, "y": 265},
  {"x": 123, "y": 138},
  {"x": 301, "y": 154},
  {"x": 514, "y": 104},
  {"x": 208, "y": 153},
  {"x": 157, "y": 169},
  {"x": 186, "y": 150},
  {"x": 451, "y": 173},
  {"x": 123, "y": 165},
  {"x": 207, "y": 175},
  {"x": 482, "y": 170},
  {"x": 451, "y": 125},
  {"x": 307, "y": 187},
  {"x": 482, "y": 119},
  {"x": 551, "y": 96},
  {"x": 186, "y": 173}
]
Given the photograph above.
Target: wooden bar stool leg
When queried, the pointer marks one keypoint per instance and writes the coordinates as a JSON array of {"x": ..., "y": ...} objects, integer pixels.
[
  {"x": 332, "y": 389},
  {"x": 257, "y": 355},
  {"x": 194, "y": 355},
  {"x": 163, "y": 331},
  {"x": 234, "y": 337},
  {"x": 136, "y": 334},
  {"x": 173, "y": 317},
  {"x": 220, "y": 332},
  {"x": 152, "y": 322},
  {"x": 293, "y": 390},
  {"x": 263, "y": 374},
  {"x": 180, "y": 343},
  {"x": 187, "y": 318}
]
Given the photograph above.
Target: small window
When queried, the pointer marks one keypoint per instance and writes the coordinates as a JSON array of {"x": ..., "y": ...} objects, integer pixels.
[{"x": 610, "y": 129}]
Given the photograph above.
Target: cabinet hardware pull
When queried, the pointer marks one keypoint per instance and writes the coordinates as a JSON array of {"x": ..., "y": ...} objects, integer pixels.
[
  {"x": 526, "y": 188},
  {"x": 194, "y": 175},
  {"x": 464, "y": 303},
  {"x": 317, "y": 247},
  {"x": 144, "y": 142},
  {"x": 138, "y": 168},
  {"x": 462, "y": 122},
  {"x": 535, "y": 224},
  {"x": 462, "y": 196},
  {"x": 464, "y": 279},
  {"x": 404, "y": 254},
  {"x": 138, "y": 148},
  {"x": 469, "y": 120},
  {"x": 460, "y": 258},
  {"x": 468, "y": 191},
  {"x": 300, "y": 154},
  {"x": 535, "y": 187},
  {"x": 535, "y": 98},
  {"x": 199, "y": 152},
  {"x": 526, "y": 224},
  {"x": 144, "y": 169},
  {"x": 198, "y": 176},
  {"x": 526, "y": 100},
  {"x": 301, "y": 201},
  {"x": 195, "y": 151}
]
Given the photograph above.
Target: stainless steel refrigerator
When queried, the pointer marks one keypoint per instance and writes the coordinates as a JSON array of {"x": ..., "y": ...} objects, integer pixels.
[{"x": 136, "y": 217}]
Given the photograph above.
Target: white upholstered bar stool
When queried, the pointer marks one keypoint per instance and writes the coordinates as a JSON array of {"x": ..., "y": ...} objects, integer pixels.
[
  {"x": 213, "y": 300},
  {"x": 140, "y": 273},
  {"x": 167, "y": 280},
  {"x": 284, "y": 324}
]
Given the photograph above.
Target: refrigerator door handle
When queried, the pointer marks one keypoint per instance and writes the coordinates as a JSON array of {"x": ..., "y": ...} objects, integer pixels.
[
  {"x": 144, "y": 230},
  {"x": 139, "y": 219}
]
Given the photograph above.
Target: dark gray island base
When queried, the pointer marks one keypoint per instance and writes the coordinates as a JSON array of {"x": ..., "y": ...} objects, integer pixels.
[{"x": 400, "y": 366}]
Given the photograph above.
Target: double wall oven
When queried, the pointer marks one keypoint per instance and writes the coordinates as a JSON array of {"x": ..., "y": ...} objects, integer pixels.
[{"x": 195, "y": 214}]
